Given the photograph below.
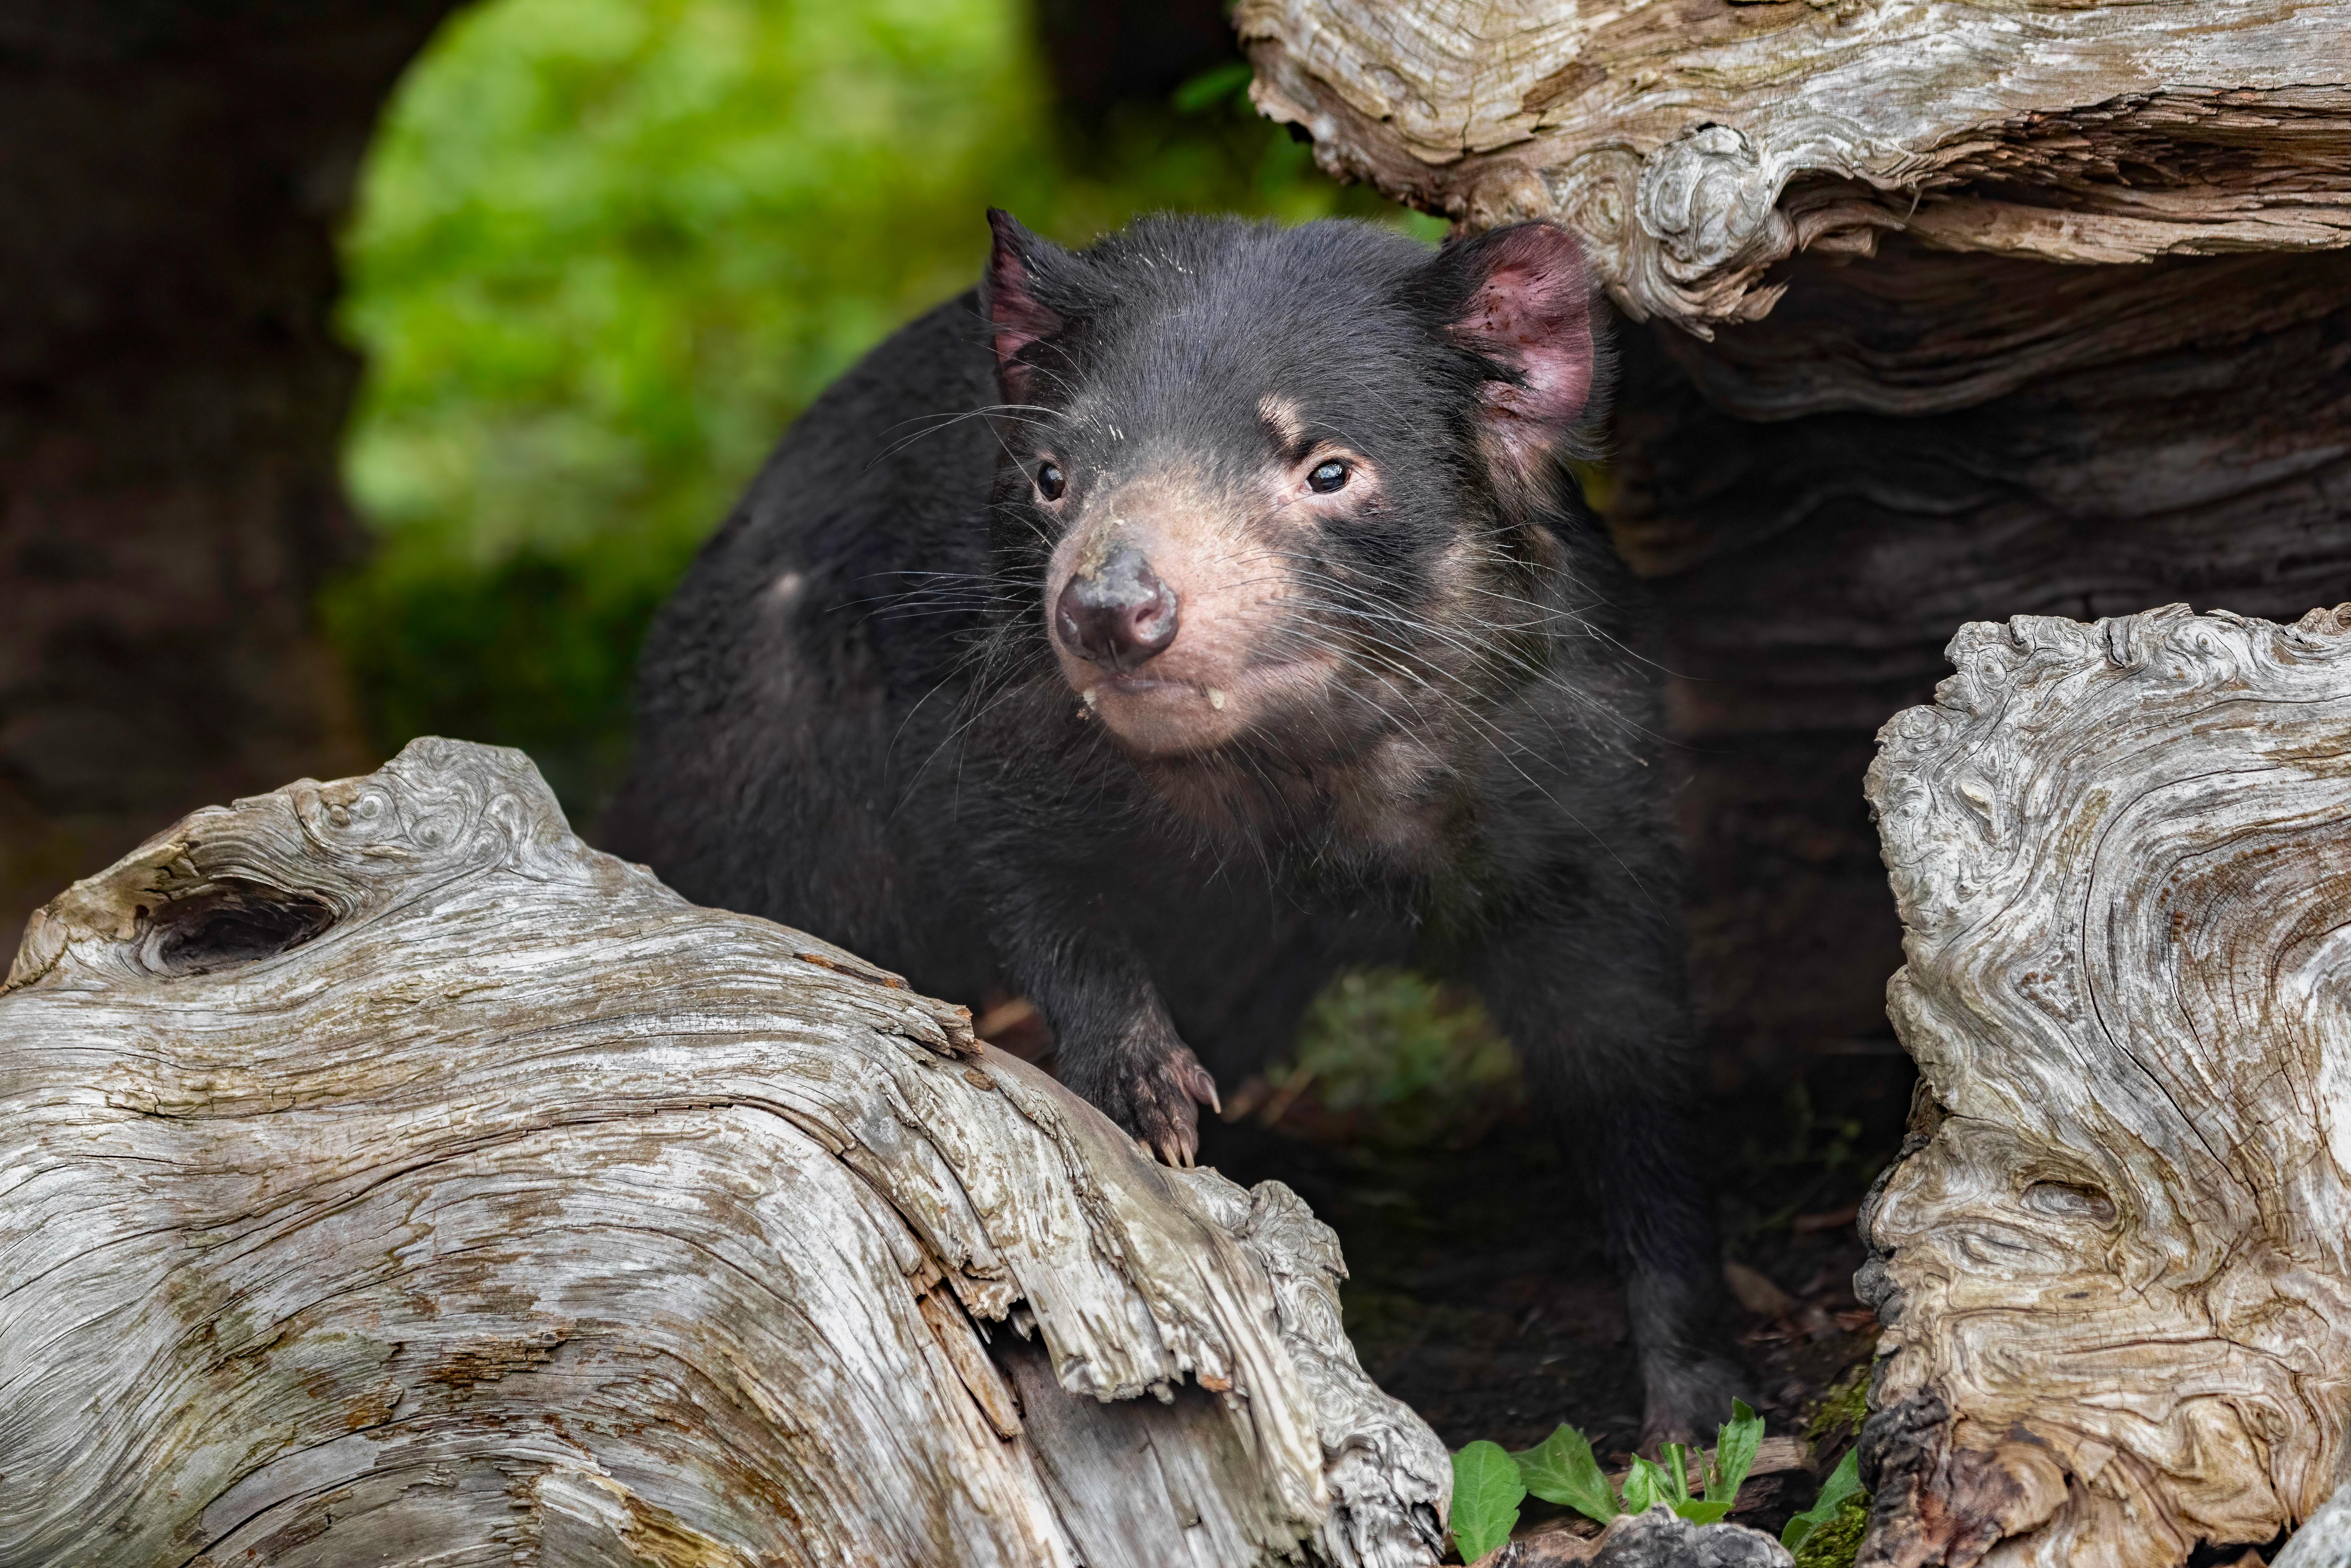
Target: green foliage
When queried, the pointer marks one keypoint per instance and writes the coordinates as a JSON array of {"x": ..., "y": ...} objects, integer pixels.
[
  {"x": 1645, "y": 1486},
  {"x": 1487, "y": 1491},
  {"x": 1838, "y": 1543},
  {"x": 1226, "y": 84},
  {"x": 1408, "y": 1062},
  {"x": 1735, "y": 1444},
  {"x": 1828, "y": 1534},
  {"x": 604, "y": 251},
  {"x": 1562, "y": 1468}
]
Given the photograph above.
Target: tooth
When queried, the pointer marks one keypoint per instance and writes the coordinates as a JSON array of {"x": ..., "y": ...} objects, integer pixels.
[
  {"x": 1216, "y": 699},
  {"x": 1093, "y": 697}
]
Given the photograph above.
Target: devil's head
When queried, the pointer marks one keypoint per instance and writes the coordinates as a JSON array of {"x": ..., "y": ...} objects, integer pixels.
[{"x": 1291, "y": 490}]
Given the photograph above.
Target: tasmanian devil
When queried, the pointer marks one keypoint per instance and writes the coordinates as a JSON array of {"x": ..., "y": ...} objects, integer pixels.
[{"x": 1170, "y": 622}]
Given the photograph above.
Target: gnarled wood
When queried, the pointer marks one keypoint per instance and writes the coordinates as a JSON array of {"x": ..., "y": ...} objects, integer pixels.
[
  {"x": 2115, "y": 1262},
  {"x": 385, "y": 1176},
  {"x": 1696, "y": 143}
]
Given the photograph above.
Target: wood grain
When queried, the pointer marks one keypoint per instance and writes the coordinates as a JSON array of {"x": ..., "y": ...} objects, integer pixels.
[
  {"x": 1695, "y": 144},
  {"x": 2115, "y": 1262},
  {"x": 386, "y": 1177}
]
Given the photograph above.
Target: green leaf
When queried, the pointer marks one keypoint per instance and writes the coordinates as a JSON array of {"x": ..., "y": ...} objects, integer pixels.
[
  {"x": 1562, "y": 1469},
  {"x": 1487, "y": 1489},
  {"x": 1842, "y": 1482},
  {"x": 1702, "y": 1512},
  {"x": 1211, "y": 87},
  {"x": 1645, "y": 1485},
  {"x": 1735, "y": 1448},
  {"x": 1677, "y": 1466}
]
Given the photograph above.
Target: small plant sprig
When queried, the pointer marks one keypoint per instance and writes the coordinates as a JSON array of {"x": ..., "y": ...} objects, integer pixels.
[
  {"x": 1489, "y": 1483},
  {"x": 1487, "y": 1491}
]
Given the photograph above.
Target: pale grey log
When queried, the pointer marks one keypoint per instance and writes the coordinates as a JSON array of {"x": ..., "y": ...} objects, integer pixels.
[
  {"x": 2115, "y": 1262},
  {"x": 1656, "y": 1539},
  {"x": 520, "y": 1212},
  {"x": 2325, "y": 1541},
  {"x": 1695, "y": 146}
]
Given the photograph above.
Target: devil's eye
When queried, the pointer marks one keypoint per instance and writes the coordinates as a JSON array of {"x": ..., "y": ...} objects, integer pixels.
[
  {"x": 1050, "y": 483},
  {"x": 1327, "y": 477}
]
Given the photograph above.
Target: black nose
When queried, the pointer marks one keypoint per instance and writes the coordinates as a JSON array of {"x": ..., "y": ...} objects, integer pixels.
[{"x": 1119, "y": 614}]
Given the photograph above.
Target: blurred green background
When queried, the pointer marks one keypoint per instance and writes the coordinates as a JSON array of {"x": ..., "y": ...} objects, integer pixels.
[{"x": 604, "y": 250}]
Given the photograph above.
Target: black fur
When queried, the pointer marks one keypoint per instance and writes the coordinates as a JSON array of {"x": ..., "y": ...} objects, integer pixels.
[{"x": 851, "y": 718}]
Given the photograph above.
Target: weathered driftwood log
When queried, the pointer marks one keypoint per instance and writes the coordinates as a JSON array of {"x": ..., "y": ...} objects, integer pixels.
[
  {"x": 1695, "y": 145},
  {"x": 2115, "y": 1262},
  {"x": 2325, "y": 1541},
  {"x": 387, "y": 1178}
]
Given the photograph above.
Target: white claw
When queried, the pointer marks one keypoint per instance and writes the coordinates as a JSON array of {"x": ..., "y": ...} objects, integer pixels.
[{"x": 1216, "y": 699}]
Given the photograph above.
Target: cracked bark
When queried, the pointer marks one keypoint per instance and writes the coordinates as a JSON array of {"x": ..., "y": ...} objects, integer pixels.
[
  {"x": 2114, "y": 1259},
  {"x": 393, "y": 1178},
  {"x": 1695, "y": 146}
]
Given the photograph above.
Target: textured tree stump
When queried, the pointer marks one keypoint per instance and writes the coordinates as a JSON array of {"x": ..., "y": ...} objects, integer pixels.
[
  {"x": 387, "y": 1178},
  {"x": 2115, "y": 1262}
]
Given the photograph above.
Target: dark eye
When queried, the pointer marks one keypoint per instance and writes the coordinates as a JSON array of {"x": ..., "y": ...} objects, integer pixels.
[
  {"x": 1327, "y": 477},
  {"x": 1050, "y": 483}
]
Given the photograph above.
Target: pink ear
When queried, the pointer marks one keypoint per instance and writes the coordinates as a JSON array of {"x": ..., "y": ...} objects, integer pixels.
[
  {"x": 1015, "y": 317},
  {"x": 1527, "y": 307}
]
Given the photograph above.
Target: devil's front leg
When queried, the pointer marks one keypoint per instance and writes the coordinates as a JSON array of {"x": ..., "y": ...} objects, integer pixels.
[
  {"x": 1114, "y": 1042},
  {"x": 1596, "y": 1005}
]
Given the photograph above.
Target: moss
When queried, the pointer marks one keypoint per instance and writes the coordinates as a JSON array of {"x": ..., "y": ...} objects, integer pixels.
[
  {"x": 1836, "y": 1544},
  {"x": 1842, "y": 1409}
]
